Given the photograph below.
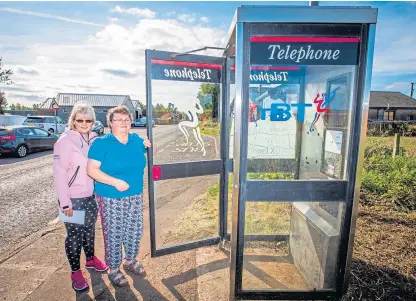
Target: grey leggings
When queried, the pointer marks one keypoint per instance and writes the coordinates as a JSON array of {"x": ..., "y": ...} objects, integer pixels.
[{"x": 78, "y": 236}]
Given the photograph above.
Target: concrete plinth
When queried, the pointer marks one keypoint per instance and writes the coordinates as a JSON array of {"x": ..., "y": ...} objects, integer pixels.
[{"x": 314, "y": 246}]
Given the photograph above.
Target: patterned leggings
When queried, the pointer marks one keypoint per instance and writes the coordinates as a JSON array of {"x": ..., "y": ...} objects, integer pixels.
[
  {"x": 78, "y": 236},
  {"x": 122, "y": 223}
]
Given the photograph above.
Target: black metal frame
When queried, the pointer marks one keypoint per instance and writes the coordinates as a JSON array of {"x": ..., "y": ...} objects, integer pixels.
[
  {"x": 341, "y": 190},
  {"x": 188, "y": 169}
]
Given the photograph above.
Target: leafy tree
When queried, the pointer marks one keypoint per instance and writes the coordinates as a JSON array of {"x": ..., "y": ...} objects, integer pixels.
[
  {"x": 5, "y": 74},
  {"x": 18, "y": 107},
  {"x": 4, "y": 78},
  {"x": 12, "y": 107},
  {"x": 3, "y": 102},
  {"x": 214, "y": 90}
]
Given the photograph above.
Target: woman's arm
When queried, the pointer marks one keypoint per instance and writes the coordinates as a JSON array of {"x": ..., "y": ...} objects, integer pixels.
[
  {"x": 94, "y": 171},
  {"x": 61, "y": 158}
]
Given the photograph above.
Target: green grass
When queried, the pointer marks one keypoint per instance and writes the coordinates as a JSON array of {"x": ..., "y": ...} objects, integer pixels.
[
  {"x": 407, "y": 143},
  {"x": 200, "y": 220},
  {"x": 210, "y": 128},
  {"x": 388, "y": 181}
]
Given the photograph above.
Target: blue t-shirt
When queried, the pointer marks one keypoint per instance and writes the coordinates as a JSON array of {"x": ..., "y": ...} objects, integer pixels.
[{"x": 122, "y": 161}]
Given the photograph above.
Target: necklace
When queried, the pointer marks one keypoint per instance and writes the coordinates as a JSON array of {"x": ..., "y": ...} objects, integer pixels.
[{"x": 83, "y": 138}]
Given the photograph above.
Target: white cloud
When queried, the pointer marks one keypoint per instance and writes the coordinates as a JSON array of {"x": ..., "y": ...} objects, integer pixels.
[
  {"x": 394, "y": 46},
  {"x": 170, "y": 14},
  {"x": 145, "y": 13},
  {"x": 41, "y": 59},
  {"x": 397, "y": 86},
  {"x": 111, "y": 61},
  {"x": 186, "y": 18},
  {"x": 113, "y": 19},
  {"x": 48, "y": 16},
  {"x": 204, "y": 19},
  {"x": 27, "y": 71}
]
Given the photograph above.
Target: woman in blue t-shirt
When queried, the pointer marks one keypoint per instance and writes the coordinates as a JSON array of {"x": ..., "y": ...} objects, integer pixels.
[{"x": 116, "y": 162}]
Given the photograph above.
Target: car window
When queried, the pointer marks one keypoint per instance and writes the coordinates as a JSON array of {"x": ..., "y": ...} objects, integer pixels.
[
  {"x": 34, "y": 120},
  {"x": 25, "y": 132},
  {"x": 40, "y": 132},
  {"x": 49, "y": 120},
  {"x": 4, "y": 132}
]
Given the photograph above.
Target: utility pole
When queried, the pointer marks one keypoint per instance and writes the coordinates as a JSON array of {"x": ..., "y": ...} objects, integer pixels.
[{"x": 412, "y": 89}]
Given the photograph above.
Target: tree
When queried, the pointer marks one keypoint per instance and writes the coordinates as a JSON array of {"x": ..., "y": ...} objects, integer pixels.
[
  {"x": 18, "y": 107},
  {"x": 3, "y": 102},
  {"x": 4, "y": 78},
  {"x": 214, "y": 90},
  {"x": 12, "y": 107},
  {"x": 5, "y": 74}
]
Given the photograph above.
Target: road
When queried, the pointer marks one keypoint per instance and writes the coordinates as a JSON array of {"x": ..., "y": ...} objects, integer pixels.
[{"x": 28, "y": 200}]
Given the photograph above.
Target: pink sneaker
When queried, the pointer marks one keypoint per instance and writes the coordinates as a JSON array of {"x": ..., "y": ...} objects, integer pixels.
[
  {"x": 96, "y": 264},
  {"x": 79, "y": 283}
]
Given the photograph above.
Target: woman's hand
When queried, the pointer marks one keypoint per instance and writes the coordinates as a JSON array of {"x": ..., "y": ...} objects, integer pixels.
[
  {"x": 68, "y": 212},
  {"x": 121, "y": 185},
  {"x": 147, "y": 143}
]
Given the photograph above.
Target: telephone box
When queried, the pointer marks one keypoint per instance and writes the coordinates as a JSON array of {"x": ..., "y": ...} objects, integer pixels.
[{"x": 277, "y": 125}]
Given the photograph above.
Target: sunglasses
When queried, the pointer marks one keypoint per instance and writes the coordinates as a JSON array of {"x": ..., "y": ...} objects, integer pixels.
[{"x": 81, "y": 121}]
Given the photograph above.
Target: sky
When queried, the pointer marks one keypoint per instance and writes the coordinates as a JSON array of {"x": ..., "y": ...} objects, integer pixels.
[{"x": 98, "y": 47}]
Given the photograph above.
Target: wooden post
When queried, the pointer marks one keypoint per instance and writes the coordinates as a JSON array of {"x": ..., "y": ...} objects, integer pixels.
[{"x": 396, "y": 148}]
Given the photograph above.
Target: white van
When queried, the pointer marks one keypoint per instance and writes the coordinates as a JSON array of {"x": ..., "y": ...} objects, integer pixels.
[
  {"x": 46, "y": 123},
  {"x": 7, "y": 120}
]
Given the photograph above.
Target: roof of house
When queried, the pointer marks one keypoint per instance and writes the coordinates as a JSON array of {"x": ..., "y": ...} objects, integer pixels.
[
  {"x": 382, "y": 99},
  {"x": 135, "y": 103},
  {"x": 95, "y": 100},
  {"x": 167, "y": 115}
]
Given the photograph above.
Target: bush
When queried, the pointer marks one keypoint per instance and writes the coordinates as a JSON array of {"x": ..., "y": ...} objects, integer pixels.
[
  {"x": 210, "y": 128},
  {"x": 392, "y": 179}
]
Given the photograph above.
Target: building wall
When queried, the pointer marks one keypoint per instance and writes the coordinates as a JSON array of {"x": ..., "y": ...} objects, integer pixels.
[
  {"x": 21, "y": 112},
  {"x": 100, "y": 113},
  {"x": 400, "y": 114}
]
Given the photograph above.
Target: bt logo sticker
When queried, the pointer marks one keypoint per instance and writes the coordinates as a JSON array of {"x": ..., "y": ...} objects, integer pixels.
[{"x": 283, "y": 112}]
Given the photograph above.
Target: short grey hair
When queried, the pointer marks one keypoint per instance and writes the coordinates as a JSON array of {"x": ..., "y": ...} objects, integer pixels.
[
  {"x": 124, "y": 110},
  {"x": 81, "y": 108}
]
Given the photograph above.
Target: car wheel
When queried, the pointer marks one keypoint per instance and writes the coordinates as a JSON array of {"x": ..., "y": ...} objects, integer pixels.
[
  {"x": 22, "y": 151},
  {"x": 51, "y": 131}
]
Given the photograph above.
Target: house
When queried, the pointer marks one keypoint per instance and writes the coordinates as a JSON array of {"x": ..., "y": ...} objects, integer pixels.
[
  {"x": 100, "y": 102},
  {"x": 138, "y": 110},
  {"x": 391, "y": 106}
]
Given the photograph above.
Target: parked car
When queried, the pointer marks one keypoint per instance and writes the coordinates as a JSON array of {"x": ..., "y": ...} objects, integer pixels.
[
  {"x": 47, "y": 123},
  {"x": 98, "y": 128},
  {"x": 141, "y": 122},
  {"x": 21, "y": 140}
]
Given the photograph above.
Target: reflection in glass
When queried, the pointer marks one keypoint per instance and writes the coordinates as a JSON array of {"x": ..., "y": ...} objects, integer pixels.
[
  {"x": 186, "y": 210},
  {"x": 302, "y": 253},
  {"x": 187, "y": 126}
]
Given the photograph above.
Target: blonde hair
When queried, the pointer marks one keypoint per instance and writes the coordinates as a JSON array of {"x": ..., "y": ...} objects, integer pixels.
[
  {"x": 117, "y": 110},
  {"x": 80, "y": 108}
]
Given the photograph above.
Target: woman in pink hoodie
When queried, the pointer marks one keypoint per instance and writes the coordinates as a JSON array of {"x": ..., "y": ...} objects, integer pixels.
[{"x": 75, "y": 191}]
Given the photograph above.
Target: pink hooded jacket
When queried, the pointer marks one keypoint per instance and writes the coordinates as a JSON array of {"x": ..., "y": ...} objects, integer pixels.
[{"x": 69, "y": 152}]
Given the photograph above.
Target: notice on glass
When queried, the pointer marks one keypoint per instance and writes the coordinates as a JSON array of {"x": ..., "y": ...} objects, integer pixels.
[{"x": 333, "y": 142}]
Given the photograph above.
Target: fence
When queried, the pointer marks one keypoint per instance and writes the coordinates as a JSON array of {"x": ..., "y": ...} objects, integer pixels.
[{"x": 389, "y": 128}]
